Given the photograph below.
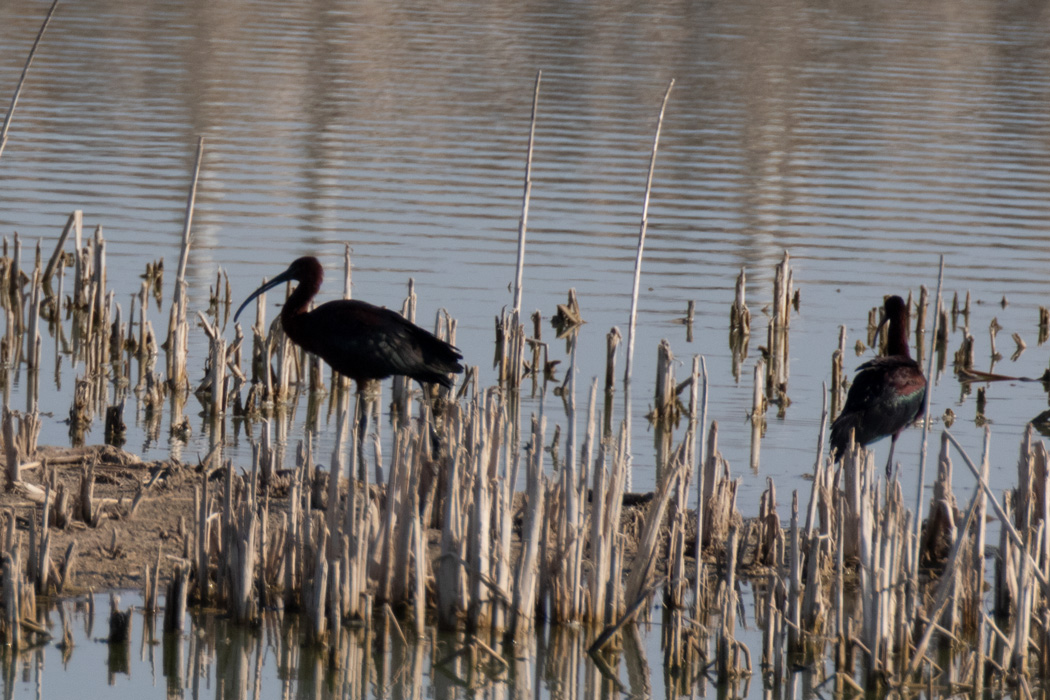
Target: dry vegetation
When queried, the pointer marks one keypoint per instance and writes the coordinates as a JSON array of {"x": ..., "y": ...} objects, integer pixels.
[{"x": 435, "y": 532}]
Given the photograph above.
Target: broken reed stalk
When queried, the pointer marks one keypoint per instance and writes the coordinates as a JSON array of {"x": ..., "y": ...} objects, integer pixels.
[
  {"x": 12, "y": 458},
  {"x": 678, "y": 582},
  {"x": 777, "y": 369},
  {"x": 739, "y": 314},
  {"x": 510, "y": 333},
  {"x": 818, "y": 465},
  {"x": 701, "y": 447},
  {"x": 527, "y": 581},
  {"x": 22, "y": 79},
  {"x": 241, "y": 550},
  {"x": 978, "y": 577},
  {"x": 11, "y": 597},
  {"x": 89, "y": 509},
  {"x": 727, "y": 663},
  {"x": 838, "y": 375},
  {"x": 505, "y": 471},
  {"x": 993, "y": 331},
  {"x": 608, "y": 478},
  {"x": 642, "y": 566},
  {"x": 794, "y": 603},
  {"x": 76, "y": 220},
  {"x": 921, "y": 312},
  {"x": 32, "y": 354},
  {"x": 665, "y": 397},
  {"x": 612, "y": 342},
  {"x": 570, "y": 501},
  {"x": 149, "y": 588},
  {"x": 448, "y": 574},
  {"x": 175, "y": 599},
  {"x": 758, "y": 413},
  {"x": 217, "y": 369}
]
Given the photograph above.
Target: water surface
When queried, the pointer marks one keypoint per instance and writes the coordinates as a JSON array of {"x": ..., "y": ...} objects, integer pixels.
[{"x": 866, "y": 139}]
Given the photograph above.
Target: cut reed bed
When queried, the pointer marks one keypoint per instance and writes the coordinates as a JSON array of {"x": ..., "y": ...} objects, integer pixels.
[{"x": 435, "y": 531}]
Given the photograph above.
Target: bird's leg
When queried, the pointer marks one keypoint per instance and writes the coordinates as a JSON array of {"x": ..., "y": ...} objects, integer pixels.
[
  {"x": 375, "y": 418},
  {"x": 401, "y": 402},
  {"x": 429, "y": 416},
  {"x": 367, "y": 393},
  {"x": 360, "y": 423},
  {"x": 889, "y": 462}
]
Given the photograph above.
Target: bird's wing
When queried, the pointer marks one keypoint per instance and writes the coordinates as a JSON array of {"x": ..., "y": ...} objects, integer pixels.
[
  {"x": 359, "y": 339},
  {"x": 897, "y": 373},
  {"x": 887, "y": 386},
  {"x": 886, "y": 395}
]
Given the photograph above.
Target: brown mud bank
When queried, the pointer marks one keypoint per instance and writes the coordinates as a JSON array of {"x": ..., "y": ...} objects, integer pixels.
[
  {"x": 118, "y": 509},
  {"x": 125, "y": 514}
]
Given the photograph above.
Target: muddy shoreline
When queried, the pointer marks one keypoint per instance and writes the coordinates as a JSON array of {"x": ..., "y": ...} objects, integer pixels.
[{"x": 144, "y": 509}]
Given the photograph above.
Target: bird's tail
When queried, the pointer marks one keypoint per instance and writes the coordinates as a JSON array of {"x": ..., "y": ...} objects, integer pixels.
[
  {"x": 442, "y": 361},
  {"x": 841, "y": 429},
  {"x": 438, "y": 378}
]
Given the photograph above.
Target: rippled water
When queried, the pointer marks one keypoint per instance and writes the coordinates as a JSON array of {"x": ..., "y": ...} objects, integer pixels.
[
  {"x": 216, "y": 658},
  {"x": 867, "y": 140}
]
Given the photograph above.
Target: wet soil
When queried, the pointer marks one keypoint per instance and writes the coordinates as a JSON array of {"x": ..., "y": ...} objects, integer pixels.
[
  {"x": 146, "y": 509},
  {"x": 113, "y": 551}
]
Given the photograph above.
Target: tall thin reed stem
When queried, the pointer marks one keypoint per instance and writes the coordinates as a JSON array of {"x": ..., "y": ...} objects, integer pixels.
[
  {"x": 22, "y": 79},
  {"x": 641, "y": 239},
  {"x": 190, "y": 200},
  {"x": 638, "y": 277},
  {"x": 524, "y": 221},
  {"x": 914, "y": 573}
]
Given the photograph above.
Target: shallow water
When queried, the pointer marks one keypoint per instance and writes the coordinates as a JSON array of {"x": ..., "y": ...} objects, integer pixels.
[
  {"x": 217, "y": 659},
  {"x": 868, "y": 140}
]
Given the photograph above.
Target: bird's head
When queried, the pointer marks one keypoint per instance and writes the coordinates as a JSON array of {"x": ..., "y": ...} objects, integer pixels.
[
  {"x": 895, "y": 313},
  {"x": 894, "y": 306},
  {"x": 306, "y": 269}
]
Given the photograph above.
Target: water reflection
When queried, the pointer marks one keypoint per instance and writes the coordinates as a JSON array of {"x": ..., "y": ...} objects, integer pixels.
[{"x": 219, "y": 659}]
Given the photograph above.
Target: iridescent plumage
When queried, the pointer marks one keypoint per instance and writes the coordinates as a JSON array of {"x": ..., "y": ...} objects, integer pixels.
[{"x": 888, "y": 392}]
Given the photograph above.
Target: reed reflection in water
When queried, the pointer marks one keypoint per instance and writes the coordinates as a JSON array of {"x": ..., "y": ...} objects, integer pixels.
[{"x": 222, "y": 660}]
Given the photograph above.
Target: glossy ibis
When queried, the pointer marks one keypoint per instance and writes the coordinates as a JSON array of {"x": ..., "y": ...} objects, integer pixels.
[
  {"x": 888, "y": 393},
  {"x": 357, "y": 339}
]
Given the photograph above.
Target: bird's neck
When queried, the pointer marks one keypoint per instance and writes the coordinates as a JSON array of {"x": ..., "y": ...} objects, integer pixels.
[
  {"x": 300, "y": 298},
  {"x": 897, "y": 338}
]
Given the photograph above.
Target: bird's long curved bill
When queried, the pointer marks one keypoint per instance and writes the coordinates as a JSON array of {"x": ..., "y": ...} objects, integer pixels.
[
  {"x": 279, "y": 279},
  {"x": 878, "y": 331}
]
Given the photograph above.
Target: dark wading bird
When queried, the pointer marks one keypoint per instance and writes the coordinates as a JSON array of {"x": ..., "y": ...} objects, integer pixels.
[
  {"x": 355, "y": 338},
  {"x": 888, "y": 393}
]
